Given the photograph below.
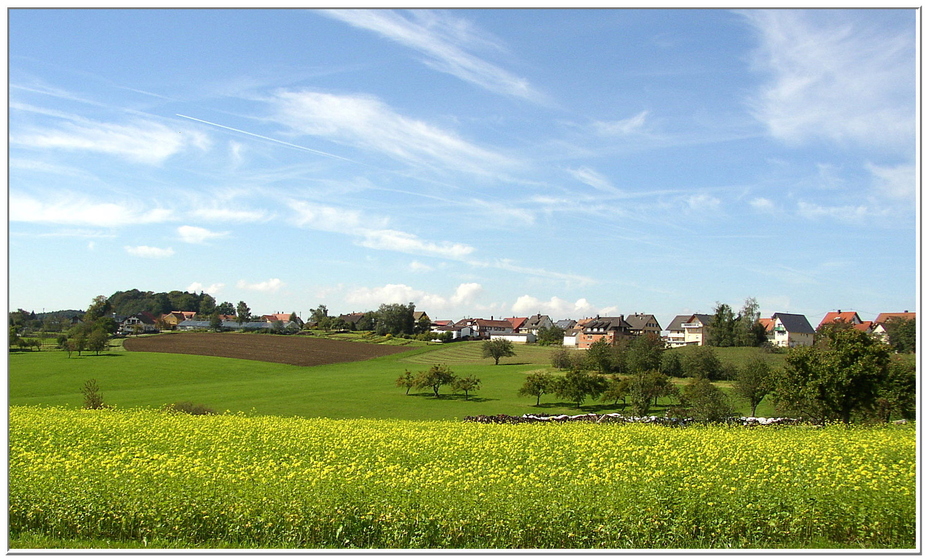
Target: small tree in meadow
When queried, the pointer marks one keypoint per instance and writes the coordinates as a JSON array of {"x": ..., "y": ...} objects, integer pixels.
[
  {"x": 406, "y": 381},
  {"x": 536, "y": 385},
  {"x": 578, "y": 385},
  {"x": 497, "y": 348},
  {"x": 754, "y": 381},
  {"x": 434, "y": 378},
  {"x": 466, "y": 384}
]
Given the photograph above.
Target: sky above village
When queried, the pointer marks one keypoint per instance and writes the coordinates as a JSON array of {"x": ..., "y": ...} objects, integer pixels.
[{"x": 474, "y": 162}]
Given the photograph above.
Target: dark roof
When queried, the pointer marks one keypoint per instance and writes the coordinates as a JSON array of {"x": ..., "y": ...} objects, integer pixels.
[
  {"x": 607, "y": 323},
  {"x": 794, "y": 323},
  {"x": 675, "y": 324},
  {"x": 640, "y": 321}
]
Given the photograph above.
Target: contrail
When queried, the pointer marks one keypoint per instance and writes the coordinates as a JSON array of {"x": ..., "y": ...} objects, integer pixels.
[{"x": 268, "y": 139}]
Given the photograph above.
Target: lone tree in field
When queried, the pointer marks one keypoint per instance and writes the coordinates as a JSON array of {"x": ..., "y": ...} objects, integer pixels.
[
  {"x": 93, "y": 399},
  {"x": 705, "y": 402},
  {"x": 753, "y": 381},
  {"x": 536, "y": 385},
  {"x": 434, "y": 377},
  {"x": 406, "y": 381},
  {"x": 578, "y": 385},
  {"x": 835, "y": 378},
  {"x": 497, "y": 348},
  {"x": 466, "y": 384}
]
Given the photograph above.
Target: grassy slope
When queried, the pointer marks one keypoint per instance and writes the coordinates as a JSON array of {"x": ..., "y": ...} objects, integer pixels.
[{"x": 361, "y": 389}]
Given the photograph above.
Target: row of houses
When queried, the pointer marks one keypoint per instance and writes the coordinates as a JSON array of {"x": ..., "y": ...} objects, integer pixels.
[
  {"x": 783, "y": 329},
  {"x": 146, "y": 322}
]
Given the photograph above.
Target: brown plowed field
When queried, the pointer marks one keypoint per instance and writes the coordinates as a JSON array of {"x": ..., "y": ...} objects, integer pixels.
[{"x": 301, "y": 351}]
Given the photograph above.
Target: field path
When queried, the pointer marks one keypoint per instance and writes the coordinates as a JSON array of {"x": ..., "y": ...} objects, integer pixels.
[{"x": 284, "y": 349}]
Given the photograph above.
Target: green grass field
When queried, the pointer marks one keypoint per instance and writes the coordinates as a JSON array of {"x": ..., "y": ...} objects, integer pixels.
[{"x": 352, "y": 390}]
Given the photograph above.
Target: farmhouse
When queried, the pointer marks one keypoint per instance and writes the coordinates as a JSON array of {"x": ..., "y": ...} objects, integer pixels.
[{"x": 143, "y": 322}]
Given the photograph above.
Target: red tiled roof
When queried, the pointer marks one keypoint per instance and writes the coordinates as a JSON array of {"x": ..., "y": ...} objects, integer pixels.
[
  {"x": 884, "y": 316},
  {"x": 516, "y": 323},
  {"x": 833, "y": 317}
]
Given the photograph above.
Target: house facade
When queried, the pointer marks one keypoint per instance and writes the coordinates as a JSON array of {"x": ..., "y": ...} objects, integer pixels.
[
  {"x": 791, "y": 330},
  {"x": 879, "y": 329},
  {"x": 688, "y": 329},
  {"x": 643, "y": 324},
  {"x": 485, "y": 329},
  {"x": 610, "y": 329}
]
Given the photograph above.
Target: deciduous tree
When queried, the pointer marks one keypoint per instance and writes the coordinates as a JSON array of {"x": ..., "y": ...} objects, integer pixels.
[
  {"x": 537, "y": 384},
  {"x": 242, "y": 313},
  {"x": 705, "y": 402},
  {"x": 466, "y": 384},
  {"x": 434, "y": 378},
  {"x": 754, "y": 381},
  {"x": 577, "y": 385},
  {"x": 835, "y": 378},
  {"x": 497, "y": 348}
]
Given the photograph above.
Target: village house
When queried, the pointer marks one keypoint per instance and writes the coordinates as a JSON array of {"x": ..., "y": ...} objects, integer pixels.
[
  {"x": 688, "y": 329},
  {"x": 790, "y": 330},
  {"x": 142, "y": 322},
  {"x": 879, "y": 329},
  {"x": 484, "y": 329},
  {"x": 643, "y": 324},
  {"x": 172, "y": 319},
  {"x": 611, "y": 329},
  {"x": 847, "y": 317}
]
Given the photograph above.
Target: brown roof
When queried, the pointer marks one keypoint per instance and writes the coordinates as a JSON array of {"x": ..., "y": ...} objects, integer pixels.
[{"x": 884, "y": 316}]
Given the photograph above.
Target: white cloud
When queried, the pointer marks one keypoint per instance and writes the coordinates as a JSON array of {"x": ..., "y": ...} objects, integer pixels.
[
  {"x": 71, "y": 209},
  {"x": 408, "y": 243},
  {"x": 700, "y": 203},
  {"x": 417, "y": 266},
  {"x": 763, "y": 204},
  {"x": 366, "y": 297},
  {"x": 852, "y": 214},
  {"x": 558, "y": 308},
  {"x": 213, "y": 289},
  {"x": 269, "y": 286},
  {"x": 445, "y": 40},
  {"x": 466, "y": 293},
  {"x": 898, "y": 182},
  {"x": 141, "y": 141},
  {"x": 225, "y": 214},
  {"x": 370, "y": 231},
  {"x": 331, "y": 219},
  {"x": 834, "y": 79},
  {"x": 198, "y": 235},
  {"x": 594, "y": 179},
  {"x": 623, "y": 127},
  {"x": 149, "y": 252},
  {"x": 370, "y": 124}
]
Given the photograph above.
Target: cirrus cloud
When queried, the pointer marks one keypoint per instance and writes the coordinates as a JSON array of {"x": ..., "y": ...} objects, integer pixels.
[
  {"x": 149, "y": 252},
  {"x": 269, "y": 286}
]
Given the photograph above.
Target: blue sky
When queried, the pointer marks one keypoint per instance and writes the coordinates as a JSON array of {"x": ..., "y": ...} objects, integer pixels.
[{"x": 474, "y": 162}]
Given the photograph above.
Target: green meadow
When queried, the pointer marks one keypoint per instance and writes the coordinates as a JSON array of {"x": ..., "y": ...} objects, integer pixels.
[{"x": 350, "y": 390}]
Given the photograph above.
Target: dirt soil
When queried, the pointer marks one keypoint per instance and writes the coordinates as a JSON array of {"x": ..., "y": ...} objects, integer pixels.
[{"x": 284, "y": 349}]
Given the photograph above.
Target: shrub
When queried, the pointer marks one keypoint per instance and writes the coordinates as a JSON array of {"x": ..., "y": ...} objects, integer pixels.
[
  {"x": 93, "y": 399},
  {"x": 189, "y": 408}
]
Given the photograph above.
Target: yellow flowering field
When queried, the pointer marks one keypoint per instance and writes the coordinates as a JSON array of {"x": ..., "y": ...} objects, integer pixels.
[{"x": 268, "y": 482}]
